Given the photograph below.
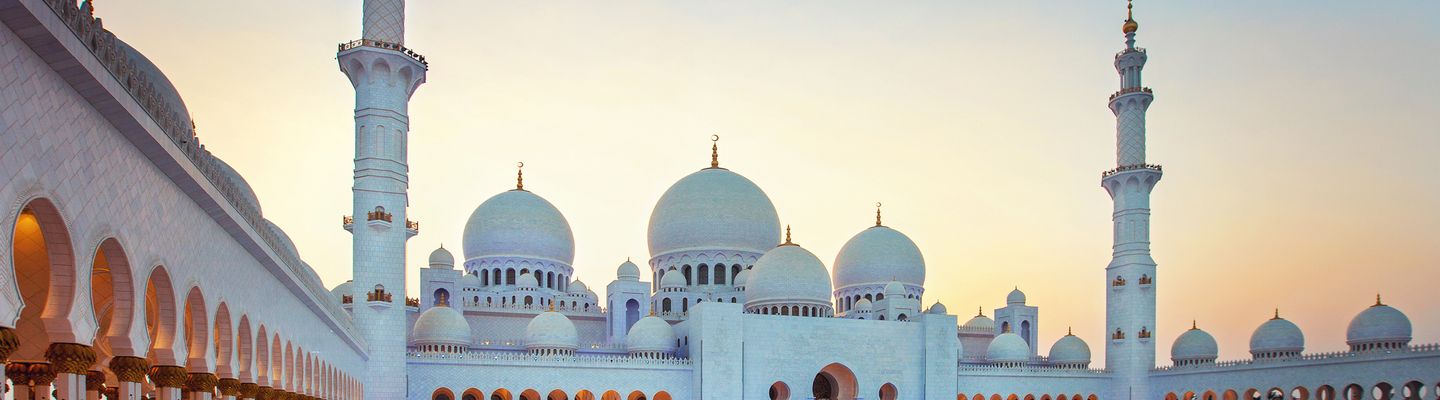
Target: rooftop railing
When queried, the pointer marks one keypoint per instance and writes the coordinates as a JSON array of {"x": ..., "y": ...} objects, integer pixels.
[
  {"x": 1131, "y": 167},
  {"x": 1130, "y": 90},
  {"x": 526, "y": 358},
  {"x": 385, "y": 45},
  {"x": 1326, "y": 356}
]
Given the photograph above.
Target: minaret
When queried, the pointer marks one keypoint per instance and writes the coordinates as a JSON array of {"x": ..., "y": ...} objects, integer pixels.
[
  {"x": 1130, "y": 277},
  {"x": 385, "y": 74}
]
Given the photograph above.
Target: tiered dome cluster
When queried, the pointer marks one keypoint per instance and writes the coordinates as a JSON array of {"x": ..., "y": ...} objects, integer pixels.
[{"x": 1377, "y": 328}]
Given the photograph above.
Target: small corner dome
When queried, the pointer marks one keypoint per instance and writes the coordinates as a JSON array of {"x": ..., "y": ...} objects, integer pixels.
[
  {"x": 672, "y": 279},
  {"x": 788, "y": 274},
  {"x": 1194, "y": 344},
  {"x": 628, "y": 271},
  {"x": 895, "y": 289},
  {"x": 469, "y": 281},
  {"x": 713, "y": 209},
  {"x": 551, "y": 330},
  {"x": 526, "y": 280},
  {"x": 1277, "y": 335},
  {"x": 1379, "y": 324},
  {"x": 1016, "y": 297},
  {"x": 441, "y": 325},
  {"x": 650, "y": 334},
  {"x": 938, "y": 308},
  {"x": 441, "y": 258},
  {"x": 1008, "y": 347},
  {"x": 864, "y": 305},
  {"x": 742, "y": 278},
  {"x": 879, "y": 254},
  {"x": 980, "y": 322},
  {"x": 1070, "y": 349},
  {"x": 577, "y": 286},
  {"x": 518, "y": 223}
]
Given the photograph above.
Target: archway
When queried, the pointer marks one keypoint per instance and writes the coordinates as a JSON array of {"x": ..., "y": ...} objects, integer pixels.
[
  {"x": 779, "y": 391},
  {"x": 636, "y": 395},
  {"x": 557, "y": 394},
  {"x": 442, "y": 394},
  {"x": 529, "y": 394},
  {"x": 501, "y": 394},
  {"x": 113, "y": 300},
  {"x": 160, "y": 318},
  {"x": 610, "y": 395},
  {"x": 44, "y": 270},
  {"x": 1382, "y": 391},
  {"x": 889, "y": 392},
  {"x": 1325, "y": 392},
  {"x": 197, "y": 329},
  {"x": 584, "y": 395},
  {"x": 1412, "y": 390},
  {"x": 662, "y": 395},
  {"x": 224, "y": 342},
  {"x": 838, "y": 382},
  {"x": 472, "y": 394}
]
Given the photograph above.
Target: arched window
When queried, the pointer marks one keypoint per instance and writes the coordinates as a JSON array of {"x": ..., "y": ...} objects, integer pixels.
[
  {"x": 719, "y": 274},
  {"x": 529, "y": 300},
  {"x": 703, "y": 274},
  {"x": 686, "y": 271},
  {"x": 685, "y": 305},
  {"x": 734, "y": 270},
  {"x": 509, "y": 276},
  {"x": 485, "y": 279},
  {"x": 665, "y": 305},
  {"x": 441, "y": 297},
  {"x": 550, "y": 280}
]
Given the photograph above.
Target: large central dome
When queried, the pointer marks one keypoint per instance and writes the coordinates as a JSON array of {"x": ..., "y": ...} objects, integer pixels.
[
  {"x": 878, "y": 255},
  {"x": 713, "y": 209},
  {"x": 518, "y": 223}
]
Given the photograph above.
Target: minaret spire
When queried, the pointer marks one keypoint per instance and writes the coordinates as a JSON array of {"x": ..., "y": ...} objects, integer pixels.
[
  {"x": 1130, "y": 25},
  {"x": 714, "y": 151},
  {"x": 520, "y": 175},
  {"x": 877, "y": 214}
]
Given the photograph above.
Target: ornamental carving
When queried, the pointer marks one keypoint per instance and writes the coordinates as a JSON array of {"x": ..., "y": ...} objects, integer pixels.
[
  {"x": 94, "y": 381},
  {"x": 228, "y": 386},
  {"x": 18, "y": 372},
  {"x": 129, "y": 369},
  {"x": 201, "y": 382},
  {"x": 249, "y": 391},
  {"x": 70, "y": 358},
  {"x": 9, "y": 341},
  {"x": 264, "y": 393},
  {"x": 41, "y": 374},
  {"x": 169, "y": 376}
]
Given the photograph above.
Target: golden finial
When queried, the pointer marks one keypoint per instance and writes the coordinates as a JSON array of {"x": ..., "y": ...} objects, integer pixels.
[
  {"x": 787, "y": 237},
  {"x": 877, "y": 214},
  {"x": 652, "y": 311},
  {"x": 1277, "y": 313},
  {"x": 552, "y": 306},
  {"x": 520, "y": 175},
  {"x": 1069, "y": 331},
  {"x": 1377, "y": 300},
  {"x": 1193, "y": 325},
  {"x": 714, "y": 151},
  {"x": 1130, "y": 25},
  {"x": 980, "y": 310}
]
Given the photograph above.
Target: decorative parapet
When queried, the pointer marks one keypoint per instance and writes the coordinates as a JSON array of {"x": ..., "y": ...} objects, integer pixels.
[
  {"x": 508, "y": 358},
  {"x": 1130, "y": 50},
  {"x": 519, "y": 346},
  {"x": 378, "y": 215},
  {"x": 1131, "y": 167},
  {"x": 1130, "y": 90},
  {"x": 385, "y": 45},
  {"x": 1030, "y": 369},
  {"x": 412, "y": 302},
  {"x": 975, "y": 330},
  {"x": 1420, "y": 350},
  {"x": 379, "y": 295},
  {"x": 470, "y": 305},
  {"x": 102, "y": 44}
]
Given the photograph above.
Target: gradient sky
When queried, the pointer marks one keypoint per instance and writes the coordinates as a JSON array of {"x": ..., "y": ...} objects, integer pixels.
[{"x": 1299, "y": 138}]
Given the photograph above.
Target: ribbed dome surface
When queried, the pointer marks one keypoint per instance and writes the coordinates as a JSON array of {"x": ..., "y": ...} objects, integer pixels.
[
  {"x": 441, "y": 258},
  {"x": 1379, "y": 324},
  {"x": 163, "y": 88},
  {"x": 1277, "y": 335},
  {"x": 650, "y": 334},
  {"x": 285, "y": 242},
  {"x": 518, "y": 223},
  {"x": 788, "y": 274},
  {"x": 895, "y": 289},
  {"x": 1070, "y": 349},
  {"x": 879, "y": 254},
  {"x": 1194, "y": 344},
  {"x": 551, "y": 330},
  {"x": 577, "y": 286},
  {"x": 628, "y": 271},
  {"x": 713, "y": 209},
  {"x": 1008, "y": 347},
  {"x": 441, "y": 325}
]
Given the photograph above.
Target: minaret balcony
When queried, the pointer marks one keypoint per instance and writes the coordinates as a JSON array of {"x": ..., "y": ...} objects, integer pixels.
[
  {"x": 347, "y": 222},
  {"x": 412, "y": 228},
  {"x": 1132, "y": 167},
  {"x": 354, "y": 44},
  {"x": 1130, "y": 90}
]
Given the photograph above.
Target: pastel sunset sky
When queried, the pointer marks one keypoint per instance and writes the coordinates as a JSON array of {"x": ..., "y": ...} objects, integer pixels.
[{"x": 1300, "y": 139}]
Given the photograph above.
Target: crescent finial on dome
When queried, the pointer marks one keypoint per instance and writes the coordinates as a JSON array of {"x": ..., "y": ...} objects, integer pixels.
[
  {"x": 520, "y": 175},
  {"x": 877, "y": 214},
  {"x": 714, "y": 151}
]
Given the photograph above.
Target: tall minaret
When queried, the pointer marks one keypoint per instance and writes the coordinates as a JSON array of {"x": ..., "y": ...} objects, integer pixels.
[
  {"x": 384, "y": 74},
  {"x": 1130, "y": 278}
]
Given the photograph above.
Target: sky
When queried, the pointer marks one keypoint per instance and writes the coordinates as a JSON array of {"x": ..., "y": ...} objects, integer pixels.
[{"x": 1299, "y": 138}]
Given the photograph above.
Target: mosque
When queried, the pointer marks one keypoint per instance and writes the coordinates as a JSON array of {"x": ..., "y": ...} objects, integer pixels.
[{"x": 141, "y": 266}]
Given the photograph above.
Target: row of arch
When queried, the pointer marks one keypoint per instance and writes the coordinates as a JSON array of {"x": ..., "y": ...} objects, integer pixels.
[
  {"x": 1012, "y": 396},
  {"x": 847, "y": 303},
  {"x": 548, "y": 280},
  {"x": 444, "y": 393},
  {"x": 1412, "y": 390},
  {"x": 702, "y": 274},
  {"x": 185, "y": 342},
  {"x": 668, "y": 305}
]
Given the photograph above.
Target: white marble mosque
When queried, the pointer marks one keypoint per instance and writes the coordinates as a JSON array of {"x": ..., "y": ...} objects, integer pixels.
[{"x": 103, "y": 293}]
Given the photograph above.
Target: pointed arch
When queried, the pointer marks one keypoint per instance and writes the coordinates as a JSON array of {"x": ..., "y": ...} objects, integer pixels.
[
  {"x": 160, "y": 317},
  {"x": 43, "y": 264},
  {"x": 244, "y": 351},
  {"x": 224, "y": 342},
  {"x": 197, "y": 330},
  {"x": 112, "y": 299}
]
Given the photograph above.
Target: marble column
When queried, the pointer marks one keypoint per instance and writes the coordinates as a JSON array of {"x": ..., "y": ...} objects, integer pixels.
[
  {"x": 19, "y": 374},
  {"x": 264, "y": 393},
  {"x": 9, "y": 341},
  {"x": 41, "y": 376},
  {"x": 94, "y": 385},
  {"x": 70, "y": 362},
  {"x": 130, "y": 372}
]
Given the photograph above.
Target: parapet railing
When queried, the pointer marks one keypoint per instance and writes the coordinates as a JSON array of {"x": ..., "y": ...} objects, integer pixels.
[
  {"x": 1130, "y": 50},
  {"x": 1130, "y": 90},
  {"x": 1334, "y": 355},
  {"x": 471, "y": 305},
  {"x": 1131, "y": 167},
  {"x": 518, "y": 345},
  {"x": 385, "y": 45},
  {"x": 973, "y": 329},
  {"x": 526, "y": 358},
  {"x": 102, "y": 44},
  {"x": 1029, "y": 368}
]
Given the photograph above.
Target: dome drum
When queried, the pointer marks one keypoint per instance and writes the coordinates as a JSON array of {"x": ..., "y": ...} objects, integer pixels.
[
  {"x": 1194, "y": 347},
  {"x": 1277, "y": 338},
  {"x": 650, "y": 337},
  {"x": 1379, "y": 328}
]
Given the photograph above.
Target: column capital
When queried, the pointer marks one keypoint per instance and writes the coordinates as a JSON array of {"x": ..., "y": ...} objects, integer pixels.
[
  {"x": 228, "y": 386},
  {"x": 201, "y": 382},
  {"x": 9, "y": 341},
  {"x": 264, "y": 393},
  {"x": 70, "y": 358},
  {"x": 95, "y": 381},
  {"x": 129, "y": 369},
  {"x": 40, "y": 374},
  {"x": 18, "y": 372},
  {"x": 169, "y": 376},
  {"x": 249, "y": 391}
]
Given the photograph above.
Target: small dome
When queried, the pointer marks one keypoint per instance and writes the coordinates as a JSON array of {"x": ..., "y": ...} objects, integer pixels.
[
  {"x": 1194, "y": 345},
  {"x": 1016, "y": 297},
  {"x": 628, "y": 271},
  {"x": 551, "y": 330},
  {"x": 526, "y": 281},
  {"x": 577, "y": 286},
  {"x": 1277, "y": 335},
  {"x": 713, "y": 209},
  {"x": 518, "y": 223},
  {"x": 879, "y": 254},
  {"x": 788, "y": 274},
  {"x": 895, "y": 289},
  {"x": 343, "y": 289},
  {"x": 285, "y": 242},
  {"x": 650, "y": 334},
  {"x": 980, "y": 322},
  {"x": 1379, "y": 324},
  {"x": 1070, "y": 349},
  {"x": 672, "y": 279},
  {"x": 469, "y": 281},
  {"x": 742, "y": 278},
  {"x": 864, "y": 305},
  {"x": 938, "y": 309},
  {"x": 1009, "y": 348},
  {"x": 246, "y": 193},
  {"x": 163, "y": 88},
  {"x": 441, "y": 258},
  {"x": 441, "y": 325}
]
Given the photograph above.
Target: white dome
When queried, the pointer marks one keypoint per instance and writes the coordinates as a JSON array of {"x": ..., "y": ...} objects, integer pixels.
[
  {"x": 341, "y": 290},
  {"x": 879, "y": 254},
  {"x": 163, "y": 88},
  {"x": 1008, "y": 347},
  {"x": 1277, "y": 335},
  {"x": 1070, "y": 349},
  {"x": 517, "y": 223},
  {"x": 246, "y": 193},
  {"x": 937, "y": 309},
  {"x": 1193, "y": 345},
  {"x": 551, "y": 330},
  {"x": 526, "y": 280},
  {"x": 469, "y": 281},
  {"x": 1016, "y": 297},
  {"x": 441, "y": 258},
  {"x": 285, "y": 242},
  {"x": 713, "y": 209},
  {"x": 864, "y": 305},
  {"x": 788, "y": 274},
  {"x": 628, "y": 271},
  {"x": 895, "y": 289},
  {"x": 742, "y": 278},
  {"x": 672, "y": 279},
  {"x": 577, "y": 286},
  {"x": 650, "y": 334},
  {"x": 981, "y": 322},
  {"x": 441, "y": 325},
  {"x": 1379, "y": 324}
]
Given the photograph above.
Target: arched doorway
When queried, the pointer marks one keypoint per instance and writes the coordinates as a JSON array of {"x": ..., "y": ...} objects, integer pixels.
[
  {"x": 610, "y": 395},
  {"x": 500, "y": 394},
  {"x": 834, "y": 382},
  {"x": 889, "y": 392},
  {"x": 779, "y": 391}
]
